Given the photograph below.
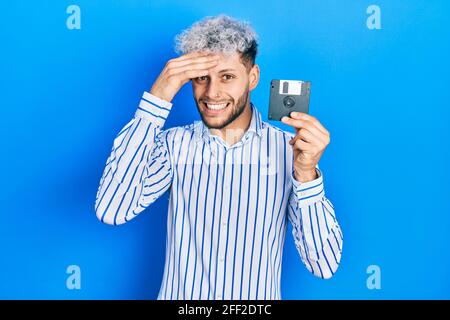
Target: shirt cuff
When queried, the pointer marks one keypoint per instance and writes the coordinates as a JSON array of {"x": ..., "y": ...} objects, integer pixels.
[
  {"x": 307, "y": 193},
  {"x": 154, "y": 109}
]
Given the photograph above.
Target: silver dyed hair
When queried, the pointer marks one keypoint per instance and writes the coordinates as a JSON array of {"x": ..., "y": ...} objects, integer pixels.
[{"x": 221, "y": 34}]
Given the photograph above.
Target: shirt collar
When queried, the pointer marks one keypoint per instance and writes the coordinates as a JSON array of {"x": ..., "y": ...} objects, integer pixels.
[{"x": 202, "y": 131}]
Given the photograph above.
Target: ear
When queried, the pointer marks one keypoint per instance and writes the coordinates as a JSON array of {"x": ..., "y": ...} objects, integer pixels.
[{"x": 253, "y": 77}]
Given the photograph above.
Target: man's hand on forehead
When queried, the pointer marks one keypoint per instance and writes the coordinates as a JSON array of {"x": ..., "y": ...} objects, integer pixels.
[{"x": 181, "y": 70}]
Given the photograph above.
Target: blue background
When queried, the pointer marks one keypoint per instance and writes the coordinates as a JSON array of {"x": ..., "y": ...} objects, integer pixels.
[{"x": 383, "y": 95}]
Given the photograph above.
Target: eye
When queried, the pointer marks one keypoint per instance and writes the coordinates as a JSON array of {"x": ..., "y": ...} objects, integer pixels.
[
  {"x": 202, "y": 78},
  {"x": 228, "y": 76}
]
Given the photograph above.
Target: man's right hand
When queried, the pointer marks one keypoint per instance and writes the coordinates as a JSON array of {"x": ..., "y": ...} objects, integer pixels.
[{"x": 181, "y": 70}]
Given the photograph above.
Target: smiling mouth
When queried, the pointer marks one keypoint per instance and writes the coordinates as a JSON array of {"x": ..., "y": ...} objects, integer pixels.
[
  {"x": 213, "y": 109},
  {"x": 216, "y": 106}
]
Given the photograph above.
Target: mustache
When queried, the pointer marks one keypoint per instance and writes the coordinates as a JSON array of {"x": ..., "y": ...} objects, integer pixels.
[{"x": 206, "y": 100}]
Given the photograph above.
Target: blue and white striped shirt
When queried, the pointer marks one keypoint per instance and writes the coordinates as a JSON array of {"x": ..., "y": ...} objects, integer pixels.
[{"x": 228, "y": 206}]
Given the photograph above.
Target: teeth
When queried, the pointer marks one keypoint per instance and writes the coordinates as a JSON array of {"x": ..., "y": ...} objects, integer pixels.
[{"x": 216, "y": 106}]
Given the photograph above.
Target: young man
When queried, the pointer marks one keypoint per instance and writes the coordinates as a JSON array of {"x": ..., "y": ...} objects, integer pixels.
[{"x": 234, "y": 180}]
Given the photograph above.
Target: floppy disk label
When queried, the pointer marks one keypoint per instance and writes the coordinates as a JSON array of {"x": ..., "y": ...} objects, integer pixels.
[{"x": 291, "y": 87}]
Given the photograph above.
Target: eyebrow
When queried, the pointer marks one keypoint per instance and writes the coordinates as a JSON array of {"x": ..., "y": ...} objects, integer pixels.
[{"x": 226, "y": 70}]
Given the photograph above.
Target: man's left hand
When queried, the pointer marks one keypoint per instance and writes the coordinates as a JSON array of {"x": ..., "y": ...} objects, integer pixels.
[{"x": 310, "y": 140}]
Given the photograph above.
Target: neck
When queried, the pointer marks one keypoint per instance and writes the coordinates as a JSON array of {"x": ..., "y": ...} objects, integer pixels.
[{"x": 234, "y": 131}]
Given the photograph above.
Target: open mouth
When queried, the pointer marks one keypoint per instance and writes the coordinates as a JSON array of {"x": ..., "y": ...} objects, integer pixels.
[{"x": 215, "y": 108}]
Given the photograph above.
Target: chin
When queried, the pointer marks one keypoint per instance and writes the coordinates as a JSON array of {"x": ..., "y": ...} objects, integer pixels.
[
  {"x": 214, "y": 123},
  {"x": 216, "y": 119}
]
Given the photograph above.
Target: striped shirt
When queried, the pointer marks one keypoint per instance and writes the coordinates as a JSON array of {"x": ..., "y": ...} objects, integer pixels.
[{"x": 228, "y": 207}]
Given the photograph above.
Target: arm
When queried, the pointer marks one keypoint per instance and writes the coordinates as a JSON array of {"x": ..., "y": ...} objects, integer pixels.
[
  {"x": 138, "y": 169},
  {"x": 316, "y": 231}
]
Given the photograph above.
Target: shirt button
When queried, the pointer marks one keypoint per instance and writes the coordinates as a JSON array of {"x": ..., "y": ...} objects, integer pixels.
[
  {"x": 219, "y": 296},
  {"x": 224, "y": 223},
  {"x": 221, "y": 259}
]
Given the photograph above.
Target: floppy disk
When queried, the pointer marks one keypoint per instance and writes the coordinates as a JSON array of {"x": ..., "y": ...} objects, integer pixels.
[{"x": 287, "y": 96}]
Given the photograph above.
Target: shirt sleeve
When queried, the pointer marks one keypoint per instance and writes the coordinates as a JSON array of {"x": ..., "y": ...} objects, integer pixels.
[
  {"x": 138, "y": 169},
  {"x": 317, "y": 234}
]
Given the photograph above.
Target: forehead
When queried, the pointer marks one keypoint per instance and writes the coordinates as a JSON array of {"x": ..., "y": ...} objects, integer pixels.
[{"x": 230, "y": 63}]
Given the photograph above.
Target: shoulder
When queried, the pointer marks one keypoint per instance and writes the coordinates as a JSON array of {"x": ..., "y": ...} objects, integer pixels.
[
  {"x": 176, "y": 133},
  {"x": 273, "y": 130}
]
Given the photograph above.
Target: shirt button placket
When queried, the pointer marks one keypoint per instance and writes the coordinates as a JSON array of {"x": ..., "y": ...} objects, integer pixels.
[{"x": 224, "y": 223}]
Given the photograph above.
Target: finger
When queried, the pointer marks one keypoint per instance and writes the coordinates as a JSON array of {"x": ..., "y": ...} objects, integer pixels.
[
  {"x": 192, "y": 55},
  {"x": 308, "y": 136},
  {"x": 193, "y": 66},
  {"x": 191, "y": 74},
  {"x": 304, "y": 124},
  {"x": 298, "y": 124},
  {"x": 302, "y": 145},
  {"x": 303, "y": 138},
  {"x": 295, "y": 139},
  {"x": 291, "y": 122},
  {"x": 313, "y": 129},
  {"x": 200, "y": 59},
  {"x": 307, "y": 117}
]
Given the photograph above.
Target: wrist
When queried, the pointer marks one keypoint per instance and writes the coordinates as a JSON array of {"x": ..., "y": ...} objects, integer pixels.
[
  {"x": 305, "y": 175},
  {"x": 160, "y": 95}
]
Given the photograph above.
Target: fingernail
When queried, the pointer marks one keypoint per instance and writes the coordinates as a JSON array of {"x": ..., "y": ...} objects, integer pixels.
[
  {"x": 293, "y": 113},
  {"x": 284, "y": 118}
]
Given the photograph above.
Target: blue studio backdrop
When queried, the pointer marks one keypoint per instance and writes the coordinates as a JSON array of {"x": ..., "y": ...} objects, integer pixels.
[{"x": 379, "y": 72}]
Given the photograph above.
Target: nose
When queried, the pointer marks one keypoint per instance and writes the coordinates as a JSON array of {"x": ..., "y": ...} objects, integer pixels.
[{"x": 212, "y": 90}]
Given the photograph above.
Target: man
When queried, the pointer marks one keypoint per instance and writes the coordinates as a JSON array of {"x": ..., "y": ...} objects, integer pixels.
[{"x": 234, "y": 180}]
